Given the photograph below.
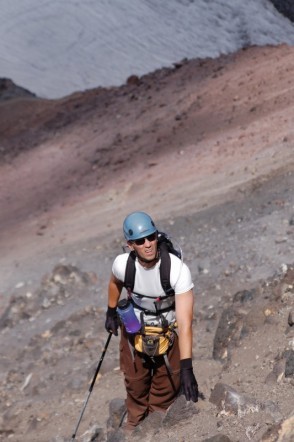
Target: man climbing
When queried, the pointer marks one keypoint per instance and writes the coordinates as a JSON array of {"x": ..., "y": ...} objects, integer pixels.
[{"x": 157, "y": 359}]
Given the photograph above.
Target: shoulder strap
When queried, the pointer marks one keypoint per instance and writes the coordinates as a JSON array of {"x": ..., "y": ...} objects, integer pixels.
[
  {"x": 129, "y": 281},
  {"x": 165, "y": 270}
]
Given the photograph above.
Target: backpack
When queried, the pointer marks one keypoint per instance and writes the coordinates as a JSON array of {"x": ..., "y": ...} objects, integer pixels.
[{"x": 165, "y": 247}]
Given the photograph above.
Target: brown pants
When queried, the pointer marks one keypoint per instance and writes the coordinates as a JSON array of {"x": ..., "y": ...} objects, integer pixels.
[{"x": 149, "y": 385}]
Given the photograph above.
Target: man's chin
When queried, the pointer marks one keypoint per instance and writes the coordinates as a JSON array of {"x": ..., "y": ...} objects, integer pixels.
[{"x": 148, "y": 258}]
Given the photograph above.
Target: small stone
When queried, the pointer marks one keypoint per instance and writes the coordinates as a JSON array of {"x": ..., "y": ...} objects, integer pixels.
[
  {"x": 281, "y": 240},
  {"x": 244, "y": 296},
  {"x": 291, "y": 318},
  {"x": 46, "y": 303},
  {"x": 26, "y": 382},
  {"x": 47, "y": 334}
]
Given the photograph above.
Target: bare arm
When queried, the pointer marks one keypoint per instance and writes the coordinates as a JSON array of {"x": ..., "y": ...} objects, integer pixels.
[
  {"x": 184, "y": 316},
  {"x": 114, "y": 290}
]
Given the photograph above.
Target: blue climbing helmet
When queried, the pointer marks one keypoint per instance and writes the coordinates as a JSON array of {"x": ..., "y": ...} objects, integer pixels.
[{"x": 138, "y": 225}]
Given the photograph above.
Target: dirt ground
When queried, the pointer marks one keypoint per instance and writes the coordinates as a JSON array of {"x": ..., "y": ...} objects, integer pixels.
[{"x": 207, "y": 148}]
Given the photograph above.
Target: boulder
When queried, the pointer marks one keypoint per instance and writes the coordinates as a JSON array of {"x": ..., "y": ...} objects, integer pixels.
[{"x": 281, "y": 432}]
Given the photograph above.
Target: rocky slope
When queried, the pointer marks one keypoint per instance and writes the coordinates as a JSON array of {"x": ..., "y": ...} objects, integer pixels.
[{"x": 207, "y": 149}]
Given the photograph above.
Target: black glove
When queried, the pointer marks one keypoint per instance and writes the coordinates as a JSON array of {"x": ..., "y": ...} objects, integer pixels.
[
  {"x": 189, "y": 386},
  {"x": 111, "y": 323}
]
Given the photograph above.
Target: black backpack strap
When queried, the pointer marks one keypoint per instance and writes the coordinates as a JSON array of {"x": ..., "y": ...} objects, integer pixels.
[
  {"x": 130, "y": 273},
  {"x": 165, "y": 269}
]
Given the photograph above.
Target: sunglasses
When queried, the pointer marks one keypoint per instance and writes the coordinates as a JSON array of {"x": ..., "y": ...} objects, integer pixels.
[{"x": 141, "y": 241}]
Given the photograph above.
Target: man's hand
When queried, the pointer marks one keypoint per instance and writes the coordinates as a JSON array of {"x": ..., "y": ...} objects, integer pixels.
[
  {"x": 111, "y": 323},
  {"x": 189, "y": 386}
]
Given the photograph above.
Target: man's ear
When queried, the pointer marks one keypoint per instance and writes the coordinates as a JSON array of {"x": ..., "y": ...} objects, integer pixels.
[{"x": 130, "y": 245}]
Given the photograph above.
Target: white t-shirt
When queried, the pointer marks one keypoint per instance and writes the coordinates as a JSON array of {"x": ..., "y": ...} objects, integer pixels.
[{"x": 148, "y": 288}]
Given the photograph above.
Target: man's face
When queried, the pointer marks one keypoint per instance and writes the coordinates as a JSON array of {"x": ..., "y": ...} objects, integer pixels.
[{"x": 145, "y": 248}]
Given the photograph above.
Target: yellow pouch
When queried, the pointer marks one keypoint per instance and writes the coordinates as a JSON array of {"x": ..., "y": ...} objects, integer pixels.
[{"x": 154, "y": 341}]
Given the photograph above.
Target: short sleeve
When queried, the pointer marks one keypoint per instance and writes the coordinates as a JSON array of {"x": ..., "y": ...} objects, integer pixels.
[
  {"x": 119, "y": 266},
  {"x": 181, "y": 279}
]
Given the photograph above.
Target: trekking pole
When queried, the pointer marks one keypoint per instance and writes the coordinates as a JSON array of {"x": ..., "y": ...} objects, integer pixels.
[{"x": 92, "y": 385}]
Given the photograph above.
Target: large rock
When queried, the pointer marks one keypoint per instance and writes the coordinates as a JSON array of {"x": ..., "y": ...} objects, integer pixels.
[
  {"x": 179, "y": 411},
  {"x": 227, "y": 334},
  {"x": 289, "y": 368},
  {"x": 9, "y": 90},
  {"x": 117, "y": 412},
  {"x": 229, "y": 402}
]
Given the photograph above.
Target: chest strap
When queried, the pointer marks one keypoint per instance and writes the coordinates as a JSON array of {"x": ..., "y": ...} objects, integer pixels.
[{"x": 150, "y": 312}]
